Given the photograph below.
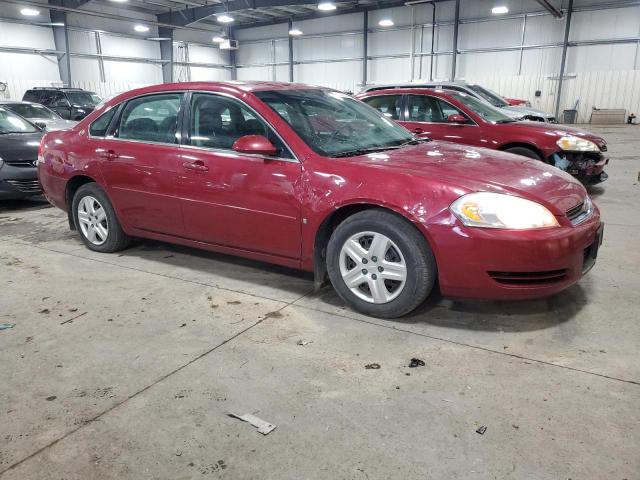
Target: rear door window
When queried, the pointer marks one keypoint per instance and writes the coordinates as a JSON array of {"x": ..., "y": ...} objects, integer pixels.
[
  {"x": 152, "y": 118},
  {"x": 99, "y": 127}
]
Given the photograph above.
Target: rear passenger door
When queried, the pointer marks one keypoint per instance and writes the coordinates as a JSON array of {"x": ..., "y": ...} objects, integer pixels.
[{"x": 139, "y": 159}]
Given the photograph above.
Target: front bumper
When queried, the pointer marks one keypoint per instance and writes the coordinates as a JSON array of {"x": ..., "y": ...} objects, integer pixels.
[
  {"x": 18, "y": 182},
  {"x": 587, "y": 167},
  {"x": 514, "y": 265}
]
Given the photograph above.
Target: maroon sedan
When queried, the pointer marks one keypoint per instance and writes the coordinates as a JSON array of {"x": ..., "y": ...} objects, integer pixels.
[
  {"x": 461, "y": 118},
  {"x": 312, "y": 179}
]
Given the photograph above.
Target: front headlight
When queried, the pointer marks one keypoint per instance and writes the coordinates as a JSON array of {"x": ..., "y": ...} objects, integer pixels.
[
  {"x": 577, "y": 144},
  {"x": 497, "y": 210}
]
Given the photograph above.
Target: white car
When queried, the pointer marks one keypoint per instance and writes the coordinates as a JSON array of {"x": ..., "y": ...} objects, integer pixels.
[{"x": 38, "y": 114}]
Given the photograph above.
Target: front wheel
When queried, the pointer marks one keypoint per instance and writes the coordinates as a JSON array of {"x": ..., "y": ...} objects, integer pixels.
[
  {"x": 380, "y": 264},
  {"x": 524, "y": 152},
  {"x": 96, "y": 220}
]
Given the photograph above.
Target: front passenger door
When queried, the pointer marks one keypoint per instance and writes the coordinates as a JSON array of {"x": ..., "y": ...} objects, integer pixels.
[{"x": 243, "y": 201}]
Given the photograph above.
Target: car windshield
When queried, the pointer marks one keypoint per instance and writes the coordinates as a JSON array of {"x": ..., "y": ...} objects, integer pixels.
[
  {"x": 12, "y": 123},
  {"x": 83, "y": 98},
  {"x": 334, "y": 124},
  {"x": 486, "y": 111},
  {"x": 27, "y": 110},
  {"x": 492, "y": 97}
]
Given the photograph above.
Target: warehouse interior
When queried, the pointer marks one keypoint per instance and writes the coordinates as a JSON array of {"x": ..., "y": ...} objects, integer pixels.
[{"x": 165, "y": 361}]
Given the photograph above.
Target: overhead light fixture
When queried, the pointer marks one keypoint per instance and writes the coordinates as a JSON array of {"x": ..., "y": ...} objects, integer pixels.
[
  {"x": 327, "y": 6},
  {"x": 295, "y": 32},
  {"x": 30, "y": 12},
  {"x": 119, "y": 1},
  {"x": 386, "y": 22},
  {"x": 225, "y": 18},
  {"x": 500, "y": 10},
  {"x": 141, "y": 28},
  {"x": 159, "y": 39},
  {"x": 218, "y": 39}
]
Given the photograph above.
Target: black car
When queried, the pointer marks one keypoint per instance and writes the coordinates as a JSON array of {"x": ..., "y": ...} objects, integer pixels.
[
  {"x": 69, "y": 103},
  {"x": 19, "y": 142}
]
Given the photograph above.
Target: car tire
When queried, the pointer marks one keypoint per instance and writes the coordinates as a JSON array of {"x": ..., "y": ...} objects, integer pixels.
[
  {"x": 377, "y": 286},
  {"x": 524, "y": 152},
  {"x": 96, "y": 221}
]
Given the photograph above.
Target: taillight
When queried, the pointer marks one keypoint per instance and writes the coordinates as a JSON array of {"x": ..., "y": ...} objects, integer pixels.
[{"x": 41, "y": 151}]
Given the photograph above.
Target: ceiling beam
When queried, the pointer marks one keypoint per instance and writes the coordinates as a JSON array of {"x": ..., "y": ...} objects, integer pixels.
[
  {"x": 550, "y": 8},
  {"x": 314, "y": 15},
  {"x": 189, "y": 16}
]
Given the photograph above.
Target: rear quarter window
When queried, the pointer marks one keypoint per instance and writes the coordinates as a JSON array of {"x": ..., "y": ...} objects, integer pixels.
[{"x": 99, "y": 127}]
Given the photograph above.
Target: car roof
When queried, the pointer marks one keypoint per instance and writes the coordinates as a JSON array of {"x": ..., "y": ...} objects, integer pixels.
[
  {"x": 413, "y": 85},
  {"x": 436, "y": 92},
  {"x": 236, "y": 87}
]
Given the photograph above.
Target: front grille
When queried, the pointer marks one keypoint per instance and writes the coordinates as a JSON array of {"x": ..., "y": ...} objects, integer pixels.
[
  {"x": 21, "y": 163},
  {"x": 528, "y": 278},
  {"x": 575, "y": 212},
  {"x": 26, "y": 186}
]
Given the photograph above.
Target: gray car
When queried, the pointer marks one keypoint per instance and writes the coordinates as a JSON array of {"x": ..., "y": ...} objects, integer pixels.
[
  {"x": 38, "y": 114},
  {"x": 479, "y": 92},
  {"x": 19, "y": 142}
]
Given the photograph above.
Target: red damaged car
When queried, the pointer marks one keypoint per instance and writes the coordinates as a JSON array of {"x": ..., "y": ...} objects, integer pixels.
[
  {"x": 312, "y": 179},
  {"x": 461, "y": 118}
]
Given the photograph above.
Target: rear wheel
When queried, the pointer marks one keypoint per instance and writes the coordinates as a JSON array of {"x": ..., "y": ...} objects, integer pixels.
[
  {"x": 524, "y": 152},
  {"x": 380, "y": 265},
  {"x": 96, "y": 220}
]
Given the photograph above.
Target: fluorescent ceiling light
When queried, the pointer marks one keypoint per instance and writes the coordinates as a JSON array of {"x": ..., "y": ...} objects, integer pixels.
[
  {"x": 225, "y": 18},
  {"x": 499, "y": 10},
  {"x": 30, "y": 12},
  {"x": 218, "y": 39},
  {"x": 326, "y": 6},
  {"x": 159, "y": 39},
  {"x": 141, "y": 28},
  {"x": 295, "y": 32},
  {"x": 386, "y": 22},
  {"x": 119, "y": 1}
]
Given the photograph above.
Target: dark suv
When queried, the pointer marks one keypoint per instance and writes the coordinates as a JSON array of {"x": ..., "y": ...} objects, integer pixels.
[{"x": 69, "y": 103}]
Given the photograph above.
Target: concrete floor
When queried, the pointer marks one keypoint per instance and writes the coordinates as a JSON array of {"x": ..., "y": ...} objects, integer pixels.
[{"x": 126, "y": 365}]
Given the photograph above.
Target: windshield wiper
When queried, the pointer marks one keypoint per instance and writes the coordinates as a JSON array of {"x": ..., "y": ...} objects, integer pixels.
[
  {"x": 507, "y": 120},
  {"x": 415, "y": 141},
  {"x": 363, "y": 151}
]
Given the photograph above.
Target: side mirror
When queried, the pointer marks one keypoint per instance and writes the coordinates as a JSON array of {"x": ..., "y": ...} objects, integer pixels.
[
  {"x": 255, "y": 144},
  {"x": 456, "y": 118}
]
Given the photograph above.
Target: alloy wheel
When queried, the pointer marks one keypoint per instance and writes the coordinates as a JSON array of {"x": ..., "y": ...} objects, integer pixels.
[
  {"x": 92, "y": 218},
  {"x": 373, "y": 267}
]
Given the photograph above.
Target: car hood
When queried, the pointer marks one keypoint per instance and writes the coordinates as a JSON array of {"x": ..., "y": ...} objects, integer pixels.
[
  {"x": 472, "y": 169},
  {"x": 19, "y": 146},
  {"x": 522, "y": 111},
  {"x": 55, "y": 124},
  {"x": 557, "y": 131}
]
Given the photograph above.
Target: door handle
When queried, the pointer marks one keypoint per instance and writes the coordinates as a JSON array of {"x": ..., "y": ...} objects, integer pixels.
[
  {"x": 196, "y": 166},
  {"x": 417, "y": 130},
  {"x": 109, "y": 155}
]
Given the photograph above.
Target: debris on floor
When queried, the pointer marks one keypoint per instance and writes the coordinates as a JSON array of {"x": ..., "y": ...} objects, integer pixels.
[
  {"x": 51, "y": 398},
  {"x": 74, "y": 318},
  {"x": 372, "y": 366},
  {"x": 263, "y": 426},
  {"x": 481, "y": 430},
  {"x": 5, "y": 326},
  {"x": 304, "y": 342},
  {"x": 416, "y": 362}
]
